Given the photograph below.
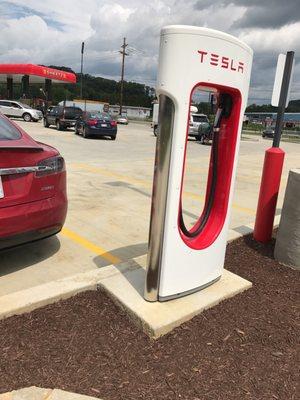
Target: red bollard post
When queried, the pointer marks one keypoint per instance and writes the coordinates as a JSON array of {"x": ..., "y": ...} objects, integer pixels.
[{"x": 269, "y": 188}]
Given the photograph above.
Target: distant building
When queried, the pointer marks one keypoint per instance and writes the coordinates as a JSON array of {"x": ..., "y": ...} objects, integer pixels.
[
  {"x": 131, "y": 112},
  {"x": 86, "y": 105}
]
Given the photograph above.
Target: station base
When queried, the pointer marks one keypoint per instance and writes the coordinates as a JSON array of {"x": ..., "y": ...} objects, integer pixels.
[{"x": 157, "y": 319}]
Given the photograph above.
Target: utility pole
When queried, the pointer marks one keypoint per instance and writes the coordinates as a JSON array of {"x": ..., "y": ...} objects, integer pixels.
[
  {"x": 81, "y": 69},
  {"x": 124, "y": 54}
]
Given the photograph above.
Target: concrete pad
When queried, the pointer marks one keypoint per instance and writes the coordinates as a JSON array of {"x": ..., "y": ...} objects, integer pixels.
[
  {"x": 62, "y": 395},
  {"x": 36, "y": 393},
  {"x": 157, "y": 319},
  {"x": 29, "y": 393}
]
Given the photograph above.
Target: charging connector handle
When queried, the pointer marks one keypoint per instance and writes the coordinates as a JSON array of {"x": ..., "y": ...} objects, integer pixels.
[{"x": 224, "y": 110}]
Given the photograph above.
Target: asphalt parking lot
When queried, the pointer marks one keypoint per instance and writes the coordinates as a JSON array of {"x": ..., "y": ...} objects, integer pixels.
[{"x": 109, "y": 190}]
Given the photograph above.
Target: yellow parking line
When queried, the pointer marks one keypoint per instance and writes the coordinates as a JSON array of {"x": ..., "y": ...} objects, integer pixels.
[
  {"x": 90, "y": 246},
  {"x": 148, "y": 184},
  {"x": 236, "y": 206},
  {"x": 111, "y": 174}
]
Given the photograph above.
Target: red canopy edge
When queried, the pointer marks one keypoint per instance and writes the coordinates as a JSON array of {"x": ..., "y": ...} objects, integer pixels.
[{"x": 37, "y": 70}]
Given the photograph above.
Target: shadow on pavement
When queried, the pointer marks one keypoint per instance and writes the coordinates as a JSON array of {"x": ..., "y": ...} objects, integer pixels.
[
  {"x": 27, "y": 255},
  {"x": 123, "y": 253}
]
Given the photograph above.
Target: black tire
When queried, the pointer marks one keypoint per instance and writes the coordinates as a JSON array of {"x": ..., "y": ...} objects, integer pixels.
[
  {"x": 46, "y": 125},
  {"x": 58, "y": 125},
  {"x": 198, "y": 138},
  {"x": 155, "y": 130},
  {"x": 84, "y": 133},
  {"x": 113, "y": 137},
  {"x": 27, "y": 117}
]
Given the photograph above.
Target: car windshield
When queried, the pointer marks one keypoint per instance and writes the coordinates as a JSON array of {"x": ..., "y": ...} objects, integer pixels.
[
  {"x": 199, "y": 118},
  {"x": 7, "y": 130}
]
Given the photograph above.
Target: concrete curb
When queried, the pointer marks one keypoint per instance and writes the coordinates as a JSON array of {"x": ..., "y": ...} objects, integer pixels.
[
  {"x": 36, "y": 393},
  {"x": 28, "y": 300},
  {"x": 38, "y": 296}
]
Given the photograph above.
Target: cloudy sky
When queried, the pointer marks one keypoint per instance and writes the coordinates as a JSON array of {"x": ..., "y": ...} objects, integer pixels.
[{"x": 51, "y": 32}]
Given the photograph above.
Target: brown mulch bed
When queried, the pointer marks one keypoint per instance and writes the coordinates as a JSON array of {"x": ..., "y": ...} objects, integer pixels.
[{"x": 244, "y": 348}]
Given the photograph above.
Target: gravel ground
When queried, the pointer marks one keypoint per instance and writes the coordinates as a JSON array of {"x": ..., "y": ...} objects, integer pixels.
[{"x": 244, "y": 348}]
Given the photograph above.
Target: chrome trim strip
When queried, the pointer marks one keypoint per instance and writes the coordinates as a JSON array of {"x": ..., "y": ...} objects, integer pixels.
[
  {"x": 24, "y": 170},
  {"x": 159, "y": 196},
  {"x": 191, "y": 291}
]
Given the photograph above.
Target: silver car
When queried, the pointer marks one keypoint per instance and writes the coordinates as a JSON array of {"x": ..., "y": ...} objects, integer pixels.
[
  {"x": 197, "y": 123},
  {"x": 12, "y": 108}
]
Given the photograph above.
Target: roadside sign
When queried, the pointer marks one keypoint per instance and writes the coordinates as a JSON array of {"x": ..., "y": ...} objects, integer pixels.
[{"x": 278, "y": 81}]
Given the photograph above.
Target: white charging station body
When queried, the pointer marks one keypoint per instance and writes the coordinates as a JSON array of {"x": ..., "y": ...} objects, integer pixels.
[{"x": 191, "y": 57}]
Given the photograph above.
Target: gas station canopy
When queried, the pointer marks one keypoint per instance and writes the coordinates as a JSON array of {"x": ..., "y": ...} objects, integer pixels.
[{"x": 36, "y": 73}]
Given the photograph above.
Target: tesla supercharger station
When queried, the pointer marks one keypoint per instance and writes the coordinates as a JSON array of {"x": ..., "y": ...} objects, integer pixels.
[{"x": 182, "y": 261}]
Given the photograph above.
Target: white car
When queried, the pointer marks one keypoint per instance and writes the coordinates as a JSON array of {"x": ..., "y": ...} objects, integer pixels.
[
  {"x": 12, "y": 108},
  {"x": 196, "y": 121},
  {"x": 122, "y": 120}
]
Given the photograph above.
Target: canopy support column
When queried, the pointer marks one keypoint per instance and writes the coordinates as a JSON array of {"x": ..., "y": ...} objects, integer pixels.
[
  {"x": 10, "y": 88},
  {"x": 48, "y": 89}
]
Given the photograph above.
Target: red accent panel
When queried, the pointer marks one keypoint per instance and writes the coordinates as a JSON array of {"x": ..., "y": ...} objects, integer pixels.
[
  {"x": 269, "y": 188},
  {"x": 37, "y": 70},
  {"x": 226, "y": 154}
]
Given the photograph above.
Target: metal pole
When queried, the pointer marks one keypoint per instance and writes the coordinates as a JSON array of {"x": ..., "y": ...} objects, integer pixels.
[
  {"x": 283, "y": 96},
  {"x": 273, "y": 164},
  {"x": 81, "y": 70},
  {"x": 123, "y": 52}
]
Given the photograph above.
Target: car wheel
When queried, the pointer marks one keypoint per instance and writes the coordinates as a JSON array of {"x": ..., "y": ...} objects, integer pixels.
[
  {"x": 27, "y": 117},
  {"x": 46, "y": 125},
  {"x": 84, "y": 133},
  {"x": 58, "y": 126},
  {"x": 113, "y": 137},
  {"x": 155, "y": 130}
]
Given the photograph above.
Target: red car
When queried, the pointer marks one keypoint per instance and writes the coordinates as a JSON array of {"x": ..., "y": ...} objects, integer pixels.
[{"x": 33, "y": 198}]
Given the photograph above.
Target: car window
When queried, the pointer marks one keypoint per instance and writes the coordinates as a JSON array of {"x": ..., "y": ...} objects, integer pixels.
[
  {"x": 72, "y": 112},
  {"x": 23, "y": 105},
  {"x": 54, "y": 111},
  {"x": 8, "y": 131},
  {"x": 98, "y": 115},
  {"x": 15, "y": 105},
  {"x": 7, "y": 103},
  {"x": 199, "y": 118}
]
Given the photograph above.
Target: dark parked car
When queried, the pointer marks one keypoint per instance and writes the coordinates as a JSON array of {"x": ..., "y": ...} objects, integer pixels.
[
  {"x": 62, "y": 117},
  {"x": 96, "y": 124},
  {"x": 269, "y": 132}
]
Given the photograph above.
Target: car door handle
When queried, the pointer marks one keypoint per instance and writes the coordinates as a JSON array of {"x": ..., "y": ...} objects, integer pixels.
[{"x": 24, "y": 170}]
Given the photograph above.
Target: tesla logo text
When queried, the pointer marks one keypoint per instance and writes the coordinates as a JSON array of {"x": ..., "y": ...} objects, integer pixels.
[
  {"x": 47, "y": 188},
  {"x": 221, "y": 61}
]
